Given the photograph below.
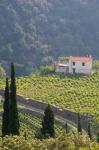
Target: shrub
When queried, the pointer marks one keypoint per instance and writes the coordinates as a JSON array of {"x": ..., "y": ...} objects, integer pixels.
[{"x": 47, "y": 70}]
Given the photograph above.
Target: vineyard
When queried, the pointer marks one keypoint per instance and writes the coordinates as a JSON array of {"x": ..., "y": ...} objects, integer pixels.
[
  {"x": 31, "y": 125},
  {"x": 29, "y": 128},
  {"x": 80, "y": 94}
]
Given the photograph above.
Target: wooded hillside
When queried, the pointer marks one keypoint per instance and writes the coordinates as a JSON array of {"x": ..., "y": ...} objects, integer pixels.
[{"x": 32, "y": 30}]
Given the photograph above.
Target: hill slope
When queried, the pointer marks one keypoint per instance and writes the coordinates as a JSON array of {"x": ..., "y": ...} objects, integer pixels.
[
  {"x": 79, "y": 94},
  {"x": 34, "y": 29}
]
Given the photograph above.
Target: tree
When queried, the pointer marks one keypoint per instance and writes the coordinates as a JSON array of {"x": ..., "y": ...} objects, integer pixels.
[
  {"x": 25, "y": 135},
  {"x": 66, "y": 128},
  {"x": 48, "y": 122},
  {"x": 5, "y": 118},
  {"x": 14, "y": 120},
  {"x": 89, "y": 131},
  {"x": 79, "y": 123},
  {"x": 63, "y": 59},
  {"x": 98, "y": 138},
  {"x": 47, "y": 70},
  {"x": 2, "y": 72},
  {"x": 96, "y": 65}
]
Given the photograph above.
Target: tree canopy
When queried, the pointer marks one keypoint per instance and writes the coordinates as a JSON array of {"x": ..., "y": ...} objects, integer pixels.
[
  {"x": 32, "y": 30},
  {"x": 2, "y": 72}
]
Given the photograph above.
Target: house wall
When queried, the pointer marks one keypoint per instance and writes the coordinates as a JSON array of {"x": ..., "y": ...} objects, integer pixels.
[
  {"x": 87, "y": 69},
  {"x": 61, "y": 69}
]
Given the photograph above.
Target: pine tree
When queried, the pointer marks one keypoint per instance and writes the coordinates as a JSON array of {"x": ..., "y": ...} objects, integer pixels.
[
  {"x": 5, "y": 118},
  {"x": 89, "y": 131},
  {"x": 48, "y": 122},
  {"x": 79, "y": 123},
  {"x": 14, "y": 120}
]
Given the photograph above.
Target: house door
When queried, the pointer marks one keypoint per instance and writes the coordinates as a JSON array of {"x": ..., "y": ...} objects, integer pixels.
[{"x": 74, "y": 70}]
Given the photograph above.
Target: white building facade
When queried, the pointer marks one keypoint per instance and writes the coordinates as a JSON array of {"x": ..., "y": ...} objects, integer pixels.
[
  {"x": 80, "y": 65},
  {"x": 76, "y": 65}
]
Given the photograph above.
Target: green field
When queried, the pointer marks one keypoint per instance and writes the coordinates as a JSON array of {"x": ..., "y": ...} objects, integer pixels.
[{"x": 80, "y": 94}]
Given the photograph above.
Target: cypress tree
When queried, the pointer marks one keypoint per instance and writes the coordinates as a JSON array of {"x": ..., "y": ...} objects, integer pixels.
[
  {"x": 5, "y": 117},
  {"x": 14, "y": 120},
  {"x": 97, "y": 137},
  {"x": 66, "y": 128},
  {"x": 89, "y": 131},
  {"x": 25, "y": 135},
  {"x": 48, "y": 122},
  {"x": 79, "y": 123}
]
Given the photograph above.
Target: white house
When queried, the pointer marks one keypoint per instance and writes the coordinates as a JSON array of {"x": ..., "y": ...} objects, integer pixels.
[{"x": 79, "y": 65}]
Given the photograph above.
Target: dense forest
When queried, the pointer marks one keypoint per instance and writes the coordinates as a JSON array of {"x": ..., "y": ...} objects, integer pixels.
[{"x": 34, "y": 31}]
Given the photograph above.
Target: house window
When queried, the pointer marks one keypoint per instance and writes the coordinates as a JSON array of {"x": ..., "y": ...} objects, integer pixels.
[
  {"x": 74, "y": 63},
  {"x": 83, "y": 64}
]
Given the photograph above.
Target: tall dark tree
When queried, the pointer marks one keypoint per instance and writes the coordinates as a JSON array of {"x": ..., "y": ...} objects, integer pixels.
[
  {"x": 66, "y": 128},
  {"x": 48, "y": 122},
  {"x": 79, "y": 123},
  {"x": 97, "y": 137},
  {"x": 89, "y": 131},
  {"x": 14, "y": 120},
  {"x": 5, "y": 118}
]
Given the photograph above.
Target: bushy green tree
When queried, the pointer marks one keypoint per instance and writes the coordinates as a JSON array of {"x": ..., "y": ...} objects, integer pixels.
[
  {"x": 62, "y": 142},
  {"x": 47, "y": 70},
  {"x": 48, "y": 122},
  {"x": 63, "y": 58},
  {"x": 96, "y": 65},
  {"x": 6, "y": 107},
  {"x": 14, "y": 120}
]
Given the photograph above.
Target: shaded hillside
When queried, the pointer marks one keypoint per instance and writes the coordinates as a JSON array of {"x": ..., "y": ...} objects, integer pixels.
[{"x": 34, "y": 29}]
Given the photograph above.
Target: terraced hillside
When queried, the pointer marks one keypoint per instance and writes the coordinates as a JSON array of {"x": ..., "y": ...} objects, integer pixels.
[
  {"x": 80, "y": 94},
  {"x": 74, "y": 93},
  {"x": 30, "y": 125}
]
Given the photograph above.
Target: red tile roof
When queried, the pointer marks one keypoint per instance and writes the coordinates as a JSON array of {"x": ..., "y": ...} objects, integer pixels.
[{"x": 82, "y": 59}]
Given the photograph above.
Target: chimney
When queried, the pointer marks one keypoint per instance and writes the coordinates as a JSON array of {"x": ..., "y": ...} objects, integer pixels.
[{"x": 90, "y": 56}]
